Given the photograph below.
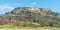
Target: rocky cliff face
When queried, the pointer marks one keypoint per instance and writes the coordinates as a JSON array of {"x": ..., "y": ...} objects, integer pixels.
[
  {"x": 41, "y": 11},
  {"x": 31, "y": 14}
]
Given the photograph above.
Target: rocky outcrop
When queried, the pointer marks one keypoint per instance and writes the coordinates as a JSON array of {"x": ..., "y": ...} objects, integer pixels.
[
  {"x": 42, "y": 11},
  {"x": 31, "y": 14}
]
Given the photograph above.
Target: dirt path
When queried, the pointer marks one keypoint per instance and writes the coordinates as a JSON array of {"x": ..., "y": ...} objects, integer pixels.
[
  {"x": 23, "y": 29},
  {"x": 42, "y": 28},
  {"x": 28, "y": 29}
]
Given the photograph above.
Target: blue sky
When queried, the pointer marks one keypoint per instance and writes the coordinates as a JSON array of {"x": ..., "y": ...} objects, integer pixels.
[{"x": 9, "y": 5}]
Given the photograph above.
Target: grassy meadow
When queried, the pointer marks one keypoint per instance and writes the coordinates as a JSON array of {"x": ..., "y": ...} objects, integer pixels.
[{"x": 12, "y": 27}]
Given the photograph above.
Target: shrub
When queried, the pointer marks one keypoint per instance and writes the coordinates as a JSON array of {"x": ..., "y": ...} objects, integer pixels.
[
  {"x": 18, "y": 23},
  {"x": 4, "y": 22},
  {"x": 51, "y": 24}
]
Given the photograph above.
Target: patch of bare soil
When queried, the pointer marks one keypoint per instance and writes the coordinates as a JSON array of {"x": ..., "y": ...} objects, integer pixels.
[{"x": 23, "y": 29}]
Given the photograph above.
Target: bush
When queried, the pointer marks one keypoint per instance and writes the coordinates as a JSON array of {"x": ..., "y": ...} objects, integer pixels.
[
  {"x": 18, "y": 23},
  {"x": 51, "y": 24},
  {"x": 4, "y": 22}
]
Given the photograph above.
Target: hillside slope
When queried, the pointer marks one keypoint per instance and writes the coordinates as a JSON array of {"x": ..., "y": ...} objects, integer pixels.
[{"x": 42, "y": 16}]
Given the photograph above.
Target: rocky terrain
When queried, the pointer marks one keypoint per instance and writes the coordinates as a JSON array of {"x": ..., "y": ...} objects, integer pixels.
[{"x": 26, "y": 15}]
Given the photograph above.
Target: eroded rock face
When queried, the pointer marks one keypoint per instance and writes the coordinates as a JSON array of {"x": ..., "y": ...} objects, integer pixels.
[
  {"x": 42, "y": 11},
  {"x": 28, "y": 11},
  {"x": 29, "y": 14}
]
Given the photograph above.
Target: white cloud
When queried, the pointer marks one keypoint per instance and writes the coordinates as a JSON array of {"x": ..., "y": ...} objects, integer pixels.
[
  {"x": 33, "y": 3},
  {"x": 5, "y": 8},
  {"x": 15, "y": 4},
  {"x": 8, "y": 7}
]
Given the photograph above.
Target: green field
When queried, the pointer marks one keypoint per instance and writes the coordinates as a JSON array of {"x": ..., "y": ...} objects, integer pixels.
[{"x": 26, "y": 27}]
